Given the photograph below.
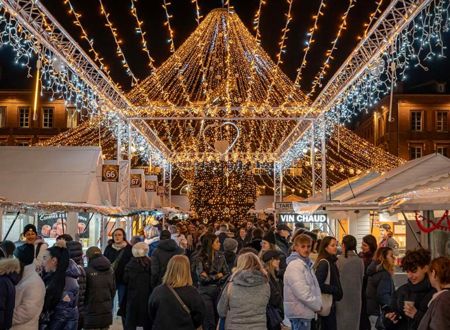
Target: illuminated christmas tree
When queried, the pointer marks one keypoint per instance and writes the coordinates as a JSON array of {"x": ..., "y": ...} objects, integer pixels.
[{"x": 220, "y": 191}]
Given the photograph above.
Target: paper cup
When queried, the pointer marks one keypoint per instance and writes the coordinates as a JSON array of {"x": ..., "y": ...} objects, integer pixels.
[{"x": 409, "y": 303}]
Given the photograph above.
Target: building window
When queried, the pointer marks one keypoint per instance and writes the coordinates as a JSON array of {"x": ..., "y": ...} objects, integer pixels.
[
  {"x": 25, "y": 142},
  {"x": 417, "y": 121},
  {"x": 24, "y": 117},
  {"x": 442, "y": 121},
  {"x": 415, "y": 152},
  {"x": 2, "y": 117},
  {"x": 47, "y": 117},
  {"x": 72, "y": 117},
  {"x": 443, "y": 150}
]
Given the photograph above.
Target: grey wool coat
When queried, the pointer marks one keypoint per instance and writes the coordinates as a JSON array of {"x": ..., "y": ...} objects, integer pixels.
[
  {"x": 348, "y": 310},
  {"x": 244, "y": 300}
]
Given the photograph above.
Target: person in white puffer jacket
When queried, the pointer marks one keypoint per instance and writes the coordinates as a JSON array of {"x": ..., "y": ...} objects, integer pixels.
[
  {"x": 302, "y": 296},
  {"x": 30, "y": 292}
]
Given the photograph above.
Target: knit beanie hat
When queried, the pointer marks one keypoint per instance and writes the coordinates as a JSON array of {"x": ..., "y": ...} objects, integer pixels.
[
  {"x": 270, "y": 237},
  {"x": 25, "y": 254},
  {"x": 93, "y": 252},
  {"x": 29, "y": 227},
  {"x": 140, "y": 250},
  {"x": 230, "y": 244}
]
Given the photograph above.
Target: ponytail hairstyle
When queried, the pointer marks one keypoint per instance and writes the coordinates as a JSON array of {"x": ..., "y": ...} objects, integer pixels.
[
  {"x": 55, "y": 287},
  {"x": 350, "y": 244}
]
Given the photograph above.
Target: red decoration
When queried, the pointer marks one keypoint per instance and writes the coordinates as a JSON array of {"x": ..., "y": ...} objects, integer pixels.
[{"x": 432, "y": 226}]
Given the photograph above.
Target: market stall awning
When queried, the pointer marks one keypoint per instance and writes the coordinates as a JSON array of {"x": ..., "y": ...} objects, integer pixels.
[
  {"x": 370, "y": 188},
  {"x": 52, "y": 175}
]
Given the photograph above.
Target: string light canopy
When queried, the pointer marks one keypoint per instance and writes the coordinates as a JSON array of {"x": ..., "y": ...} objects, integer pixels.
[{"x": 220, "y": 84}]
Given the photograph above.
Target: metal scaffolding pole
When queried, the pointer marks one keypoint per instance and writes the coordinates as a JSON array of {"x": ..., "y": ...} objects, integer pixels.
[{"x": 277, "y": 182}]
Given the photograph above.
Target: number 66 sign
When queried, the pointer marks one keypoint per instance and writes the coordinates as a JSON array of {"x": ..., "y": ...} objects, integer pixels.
[{"x": 110, "y": 173}]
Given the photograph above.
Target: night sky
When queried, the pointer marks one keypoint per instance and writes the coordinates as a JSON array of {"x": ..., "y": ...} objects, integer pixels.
[{"x": 183, "y": 22}]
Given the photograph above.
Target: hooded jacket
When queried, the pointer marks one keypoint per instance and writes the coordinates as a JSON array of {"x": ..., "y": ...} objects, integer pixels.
[
  {"x": 380, "y": 288},
  {"x": 9, "y": 277},
  {"x": 166, "y": 249},
  {"x": 67, "y": 308},
  {"x": 137, "y": 278},
  {"x": 30, "y": 293},
  {"x": 76, "y": 254},
  {"x": 302, "y": 296},
  {"x": 244, "y": 301},
  {"x": 100, "y": 291}
]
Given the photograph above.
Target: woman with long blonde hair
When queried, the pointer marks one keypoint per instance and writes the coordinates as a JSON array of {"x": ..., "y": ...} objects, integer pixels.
[
  {"x": 244, "y": 300},
  {"x": 176, "y": 304}
]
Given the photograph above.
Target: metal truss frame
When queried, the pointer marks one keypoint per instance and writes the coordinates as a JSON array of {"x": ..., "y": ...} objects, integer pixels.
[
  {"x": 46, "y": 30},
  {"x": 277, "y": 182},
  {"x": 383, "y": 33}
]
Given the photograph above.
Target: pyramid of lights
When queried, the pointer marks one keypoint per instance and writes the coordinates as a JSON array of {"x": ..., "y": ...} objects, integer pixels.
[{"x": 220, "y": 95}]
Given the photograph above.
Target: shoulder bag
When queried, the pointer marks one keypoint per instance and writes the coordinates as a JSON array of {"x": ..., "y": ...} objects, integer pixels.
[
  {"x": 183, "y": 305},
  {"x": 327, "y": 299}
]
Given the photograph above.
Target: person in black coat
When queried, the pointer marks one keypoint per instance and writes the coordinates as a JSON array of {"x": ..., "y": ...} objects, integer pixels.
[
  {"x": 119, "y": 254},
  {"x": 281, "y": 238},
  {"x": 326, "y": 262},
  {"x": 257, "y": 235},
  {"x": 167, "y": 248},
  {"x": 230, "y": 247},
  {"x": 100, "y": 291},
  {"x": 137, "y": 278},
  {"x": 242, "y": 238},
  {"x": 9, "y": 277},
  {"x": 211, "y": 271},
  {"x": 181, "y": 309},
  {"x": 271, "y": 260},
  {"x": 418, "y": 289}
]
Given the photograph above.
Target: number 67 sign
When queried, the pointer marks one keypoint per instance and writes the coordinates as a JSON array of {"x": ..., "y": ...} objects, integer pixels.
[{"x": 110, "y": 173}]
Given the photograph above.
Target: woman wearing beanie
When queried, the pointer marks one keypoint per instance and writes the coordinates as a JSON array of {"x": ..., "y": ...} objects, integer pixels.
[
  {"x": 119, "y": 254},
  {"x": 137, "y": 277},
  {"x": 30, "y": 291},
  {"x": 230, "y": 247},
  {"x": 275, "y": 315},
  {"x": 100, "y": 291},
  {"x": 31, "y": 237},
  {"x": 61, "y": 290}
]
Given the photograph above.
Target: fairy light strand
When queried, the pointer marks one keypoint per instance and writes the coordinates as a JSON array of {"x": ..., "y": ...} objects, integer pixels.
[
  {"x": 118, "y": 42},
  {"x": 317, "y": 80}
]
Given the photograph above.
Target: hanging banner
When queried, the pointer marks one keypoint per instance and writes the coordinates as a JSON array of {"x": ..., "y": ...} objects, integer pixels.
[
  {"x": 135, "y": 180},
  {"x": 151, "y": 185},
  {"x": 110, "y": 173},
  {"x": 52, "y": 225}
]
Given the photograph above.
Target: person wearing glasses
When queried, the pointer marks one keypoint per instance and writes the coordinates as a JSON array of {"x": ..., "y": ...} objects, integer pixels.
[{"x": 302, "y": 296}]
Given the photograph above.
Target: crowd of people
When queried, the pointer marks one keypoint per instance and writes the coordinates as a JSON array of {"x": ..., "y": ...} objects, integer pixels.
[{"x": 252, "y": 275}]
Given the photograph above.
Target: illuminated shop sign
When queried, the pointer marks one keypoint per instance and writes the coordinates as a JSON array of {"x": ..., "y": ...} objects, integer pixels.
[{"x": 305, "y": 218}]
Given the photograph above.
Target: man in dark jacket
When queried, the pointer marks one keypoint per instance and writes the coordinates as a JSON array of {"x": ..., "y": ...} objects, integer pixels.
[
  {"x": 100, "y": 290},
  {"x": 281, "y": 238},
  {"x": 166, "y": 249}
]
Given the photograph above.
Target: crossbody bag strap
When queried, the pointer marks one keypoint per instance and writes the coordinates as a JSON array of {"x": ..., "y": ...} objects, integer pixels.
[
  {"x": 327, "y": 281},
  {"x": 179, "y": 300}
]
